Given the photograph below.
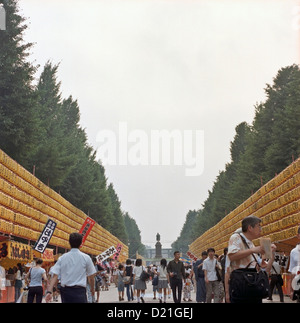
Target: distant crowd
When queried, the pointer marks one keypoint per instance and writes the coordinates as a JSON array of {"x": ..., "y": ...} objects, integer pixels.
[{"x": 242, "y": 274}]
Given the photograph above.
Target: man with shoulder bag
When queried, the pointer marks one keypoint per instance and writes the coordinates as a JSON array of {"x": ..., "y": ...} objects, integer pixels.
[{"x": 248, "y": 281}]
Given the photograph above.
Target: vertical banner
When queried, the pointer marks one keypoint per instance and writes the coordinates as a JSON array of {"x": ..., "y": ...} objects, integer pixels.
[
  {"x": 86, "y": 228},
  {"x": 117, "y": 254},
  {"x": 45, "y": 236}
]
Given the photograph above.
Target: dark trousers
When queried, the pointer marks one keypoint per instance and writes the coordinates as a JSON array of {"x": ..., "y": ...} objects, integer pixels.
[
  {"x": 35, "y": 292},
  {"x": 176, "y": 286},
  {"x": 274, "y": 282},
  {"x": 129, "y": 292},
  {"x": 201, "y": 290},
  {"x": 247, "y": 301},
  {"x": 73, "y": 295}
]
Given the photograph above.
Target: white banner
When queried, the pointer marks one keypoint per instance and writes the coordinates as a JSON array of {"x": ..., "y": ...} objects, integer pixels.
[
  {"x": 106, "y": 254},
  {"x": 45, "y": 236}
]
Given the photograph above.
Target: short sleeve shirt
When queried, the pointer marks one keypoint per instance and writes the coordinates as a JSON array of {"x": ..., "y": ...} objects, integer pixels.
[
  {"x": 210, "y": 266},
  {"x": 137, "y": 271},
  {"x": 73, "y": 268},
  {"x": 162, "y": 273},
  {"x": 236, "y": 244},
  {"x": 295, "y": 260},
  {"x": 36, "y": 275}
]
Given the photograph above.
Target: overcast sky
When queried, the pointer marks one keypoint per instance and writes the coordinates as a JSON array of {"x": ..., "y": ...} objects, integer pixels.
[{"x": 150, "y": 65}]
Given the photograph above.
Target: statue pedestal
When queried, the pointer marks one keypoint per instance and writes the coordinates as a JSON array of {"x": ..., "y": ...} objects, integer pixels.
[{"x": 158, "y": 254}]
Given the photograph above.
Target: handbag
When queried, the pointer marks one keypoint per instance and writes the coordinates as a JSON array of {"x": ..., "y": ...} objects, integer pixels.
[
  {"x": 219, "y": 276},
  {"x": 144, "y": 275},
  {"x": 278, "y": 276},
  {"x": 248, "y": 283},
  {"x": 280, "y": 280},
  {"x": 126, "y": 280},
  {"x": 155, "y": 281}
]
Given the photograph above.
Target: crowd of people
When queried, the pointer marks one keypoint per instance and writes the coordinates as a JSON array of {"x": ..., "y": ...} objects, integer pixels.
[
  {"x": 221, "y": 278},
  {"x": 242, "y": 274},
  {"x": 163, "y": 279}
]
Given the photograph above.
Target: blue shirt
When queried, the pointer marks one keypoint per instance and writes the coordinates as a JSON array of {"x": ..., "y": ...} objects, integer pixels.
[
  {"x": 199, "y": 273},
  {"x": 36, "y": 276}
]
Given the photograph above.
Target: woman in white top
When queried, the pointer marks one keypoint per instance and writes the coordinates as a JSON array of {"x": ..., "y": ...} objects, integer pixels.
[
  {"x": 163, "y": 280},
  {"x": 139, "y": 285},
  {"x": 18, "y": 281}
]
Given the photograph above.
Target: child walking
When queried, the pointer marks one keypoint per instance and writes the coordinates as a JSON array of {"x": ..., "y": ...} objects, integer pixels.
[
  {"x": 187, "y": 288},
  {"x": 120, "y": 274}
]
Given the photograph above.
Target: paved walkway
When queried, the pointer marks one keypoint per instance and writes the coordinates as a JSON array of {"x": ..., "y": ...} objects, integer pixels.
[{"x": 112, "y": 296}]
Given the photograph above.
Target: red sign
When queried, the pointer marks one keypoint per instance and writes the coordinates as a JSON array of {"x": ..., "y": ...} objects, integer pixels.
[
  {"x": 117, "y": 254},
  {"x": 86, "y": 228},
  {"x": 192, "y": 256}
]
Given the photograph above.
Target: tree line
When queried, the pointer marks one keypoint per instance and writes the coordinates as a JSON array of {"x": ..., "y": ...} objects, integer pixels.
[
  {"x": 258, "y": 151},
  {"x": 40, "y": 130}
]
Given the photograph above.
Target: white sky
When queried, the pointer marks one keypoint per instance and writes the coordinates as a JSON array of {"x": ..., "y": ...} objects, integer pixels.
[{"x": 174, "y": 65}]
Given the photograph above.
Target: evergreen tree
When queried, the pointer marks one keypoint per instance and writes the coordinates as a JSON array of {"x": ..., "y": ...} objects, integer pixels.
[
  {"x": 57, "y": 150},
  {"x": 239, "y": 143},
  {"x": 134, "y": 237},
  {"x": 185, "y": 237},
  {"x": 257, "y": 151},
  {"x": 19, "y": 122},
  {"x": 284, "y": 101},
  {"x": 100, "y": 207},
  {"x": 118, "y": 225},
  {"x": 39, "y": 128}
]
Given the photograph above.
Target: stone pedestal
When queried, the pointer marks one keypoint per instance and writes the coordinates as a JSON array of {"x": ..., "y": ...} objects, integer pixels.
[{"x": 158, "y": 254}]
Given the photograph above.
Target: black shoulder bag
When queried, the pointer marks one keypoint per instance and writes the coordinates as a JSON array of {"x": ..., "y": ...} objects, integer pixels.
[
  {"x": 144, "y": 275},
  {"x": 248, "y": 284},
  {"x": 278, "y": 276}
]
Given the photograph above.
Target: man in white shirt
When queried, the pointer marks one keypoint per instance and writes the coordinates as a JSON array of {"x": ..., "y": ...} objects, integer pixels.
[
  {"x": 211, "y": 279},
  {"x": 73, "y": 268},
  {"x": 294, "y": 267},
  {"x": 243, "y": 254}
]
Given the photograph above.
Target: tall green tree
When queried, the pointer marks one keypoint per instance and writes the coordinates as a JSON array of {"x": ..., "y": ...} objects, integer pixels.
[
  {"x": 57, "y": 149},
  {"x": 258, "y": 151},
  {"x": 284, "y": 103},
  {"x": 39, "y": 128},
  {"x": 134, "y": 237},
  {"x": 118, "y": 225},
  {"x": 100, "y": 208},
  {"x": 185, "y": 238},
  {"x": 19, "y": 122}
]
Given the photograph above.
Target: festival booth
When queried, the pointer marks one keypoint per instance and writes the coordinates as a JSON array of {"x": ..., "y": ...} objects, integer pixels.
[
  {"x": 26, "y": 204},
  {"x": 11, "y": 253},
  {"x": 26, "y": 207}
]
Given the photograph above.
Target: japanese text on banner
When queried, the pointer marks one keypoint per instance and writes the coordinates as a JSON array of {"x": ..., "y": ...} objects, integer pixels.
[
  {"x": 86, "y": 228},
  {"x": 45, "y": 236}
]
